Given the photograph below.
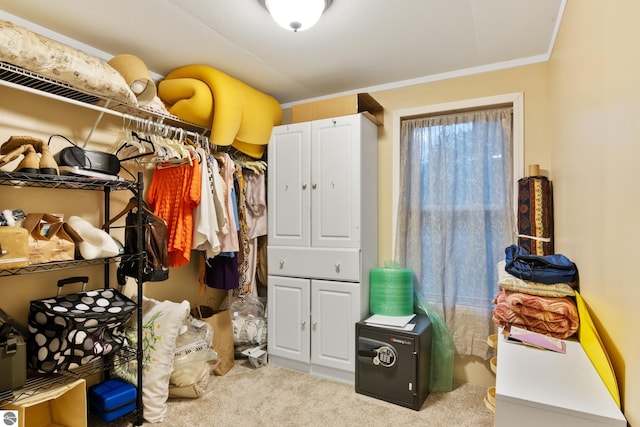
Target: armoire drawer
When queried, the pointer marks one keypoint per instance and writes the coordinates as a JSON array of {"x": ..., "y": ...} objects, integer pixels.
[{"x": 318, "y": 263}]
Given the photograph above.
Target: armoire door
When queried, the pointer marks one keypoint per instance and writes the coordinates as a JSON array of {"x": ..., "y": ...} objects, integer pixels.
[
  {"x": 288, "y": 311},
  {"x": 289, "y": 196},
  {"x": 335, "y": 309},
  {"x": 335, "y": 182}
]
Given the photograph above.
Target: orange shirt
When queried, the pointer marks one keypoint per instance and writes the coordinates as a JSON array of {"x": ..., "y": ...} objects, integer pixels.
[{"x": 173, "y": 194}]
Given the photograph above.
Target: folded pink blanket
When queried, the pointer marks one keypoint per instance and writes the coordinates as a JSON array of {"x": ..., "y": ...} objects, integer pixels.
[{"x": 553, "y": 316}]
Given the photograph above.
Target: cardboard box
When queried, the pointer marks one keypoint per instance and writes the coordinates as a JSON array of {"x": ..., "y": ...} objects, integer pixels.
[
  {"x": 14, "y": 248},
  {"x": 339, "y": 106},
  {"x": 65, "y": 405}
]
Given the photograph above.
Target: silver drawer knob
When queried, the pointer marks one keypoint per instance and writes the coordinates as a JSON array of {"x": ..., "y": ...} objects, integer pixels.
[
  {"x": 281, "y": 264},
  {"x": 337, "y": 267}
]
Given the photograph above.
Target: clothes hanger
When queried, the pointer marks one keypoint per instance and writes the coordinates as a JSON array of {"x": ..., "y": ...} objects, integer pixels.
[
  {"x": 133, "y": 203},
  {"x": 133, "y": 144},
  {"x": 122, "y": 137}
]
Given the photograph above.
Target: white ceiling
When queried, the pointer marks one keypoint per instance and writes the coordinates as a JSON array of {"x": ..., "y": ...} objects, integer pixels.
[{"x": 358, "y": 45}]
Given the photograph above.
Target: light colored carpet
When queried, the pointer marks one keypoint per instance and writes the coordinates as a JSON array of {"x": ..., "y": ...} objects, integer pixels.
[{"x": 275, "y": 396}]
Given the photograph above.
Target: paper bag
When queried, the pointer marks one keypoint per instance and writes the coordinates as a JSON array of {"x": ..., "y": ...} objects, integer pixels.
[
  {"x": 40, "y": 246},
  {"x": 222, "y": 343},
  {"x": 63, "y": 239}
]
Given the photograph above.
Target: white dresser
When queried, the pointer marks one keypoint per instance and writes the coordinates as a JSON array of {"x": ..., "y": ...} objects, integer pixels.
[{"x": 544, "y": 388}]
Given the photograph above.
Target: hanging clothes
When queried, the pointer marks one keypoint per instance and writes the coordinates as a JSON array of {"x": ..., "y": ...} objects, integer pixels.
[
  {"x": 229, "y": 241},
  {"x": 219, "y": 190},
  {"x": 205, "y": 221},
  {"x": 256, "y": 202},
  {"x": 256, "y": 212},
  {"x": 221, "y": 272},
  {"x": 244, "y": 277},
  {"x": 173, "y": 194}
]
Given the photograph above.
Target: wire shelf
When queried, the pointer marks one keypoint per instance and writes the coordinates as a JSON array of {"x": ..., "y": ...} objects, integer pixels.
[
  {"x": 25, "y": 79},
  {"x": 39, "y": 382},
  {"x": 19, "y": 179},
  {"x": 63, "y": 265},
  {"x": 22, "y": 77}
]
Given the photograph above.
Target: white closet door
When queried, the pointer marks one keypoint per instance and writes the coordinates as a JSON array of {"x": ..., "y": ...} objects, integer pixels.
[
  {"x": 288, "y": 317},
  {"x": 289, "y": 190},
  {"x": 334, "y": 313},
  {"x": 335, "y": 178}
]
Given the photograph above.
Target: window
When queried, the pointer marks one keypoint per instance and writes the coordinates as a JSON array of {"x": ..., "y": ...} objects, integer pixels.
[{"x": 455, "y": 212}]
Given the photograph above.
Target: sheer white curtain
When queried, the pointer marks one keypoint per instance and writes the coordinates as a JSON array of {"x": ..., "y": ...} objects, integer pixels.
[{"x": 455, "y": 215}]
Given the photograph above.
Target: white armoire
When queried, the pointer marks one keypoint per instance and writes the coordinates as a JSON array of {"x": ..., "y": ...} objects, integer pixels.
[{"x": 322, "y": 241}]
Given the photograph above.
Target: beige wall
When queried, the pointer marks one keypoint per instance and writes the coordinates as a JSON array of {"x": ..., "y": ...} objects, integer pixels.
[
  {"x": 581, "y": 126},
  {"x": 594, "y": 85}
]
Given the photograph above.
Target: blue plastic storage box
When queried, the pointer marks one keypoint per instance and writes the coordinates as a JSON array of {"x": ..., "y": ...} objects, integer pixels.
[{"x": 112, "y": 399}]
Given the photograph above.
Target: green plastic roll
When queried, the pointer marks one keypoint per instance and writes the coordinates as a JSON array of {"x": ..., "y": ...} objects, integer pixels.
[{"x": 391, "y": 291}]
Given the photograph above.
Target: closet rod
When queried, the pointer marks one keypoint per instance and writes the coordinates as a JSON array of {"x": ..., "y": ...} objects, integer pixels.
[{"x": 170, "y": 128}]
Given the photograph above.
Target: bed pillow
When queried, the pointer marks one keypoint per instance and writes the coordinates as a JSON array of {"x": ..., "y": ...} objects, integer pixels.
[
  {"x": 510, "y": 282},
  {"x": 34, "y": 52}
]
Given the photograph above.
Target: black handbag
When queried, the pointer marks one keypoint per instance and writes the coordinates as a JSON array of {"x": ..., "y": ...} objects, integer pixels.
[
  {"x": 80, "y": 159},
  {"x": 68, "y": 331},
  {"x": 153, "y": 233}
]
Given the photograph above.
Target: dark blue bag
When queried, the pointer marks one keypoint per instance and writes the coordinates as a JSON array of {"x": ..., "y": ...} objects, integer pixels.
[{"x": 547, "y": 269}]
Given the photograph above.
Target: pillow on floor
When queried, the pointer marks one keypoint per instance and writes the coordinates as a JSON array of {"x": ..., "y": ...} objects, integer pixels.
[
  {"x": 167, "y": 318},
  {"x": 161, "y": 323}
]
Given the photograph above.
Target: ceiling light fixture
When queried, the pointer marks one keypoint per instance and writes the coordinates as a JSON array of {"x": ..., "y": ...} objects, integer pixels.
[{"x": 296, "y": 15}]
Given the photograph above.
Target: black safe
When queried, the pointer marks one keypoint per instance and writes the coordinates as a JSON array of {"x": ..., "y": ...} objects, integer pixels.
[{"x": 394, "y": 365}]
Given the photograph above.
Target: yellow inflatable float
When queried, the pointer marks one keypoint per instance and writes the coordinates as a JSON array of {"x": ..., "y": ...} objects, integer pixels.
[{"x": 237, "y": 114}]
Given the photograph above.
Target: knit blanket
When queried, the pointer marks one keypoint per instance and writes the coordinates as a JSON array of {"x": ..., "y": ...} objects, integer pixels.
[{"x": 553, "y": 316}]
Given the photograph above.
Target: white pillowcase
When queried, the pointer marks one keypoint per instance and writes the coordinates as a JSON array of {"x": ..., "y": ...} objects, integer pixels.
[{"x": 162, "y": 321}]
